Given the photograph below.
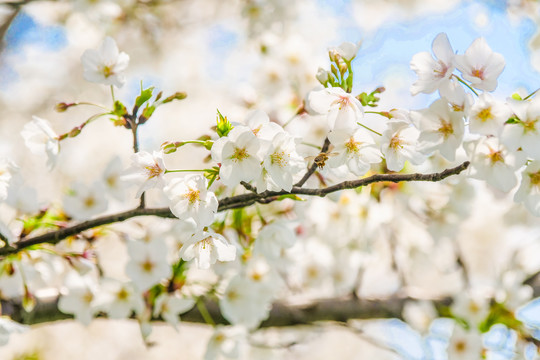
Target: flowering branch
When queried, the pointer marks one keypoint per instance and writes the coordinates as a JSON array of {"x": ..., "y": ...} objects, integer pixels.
[{"x": 227, "y": 203}]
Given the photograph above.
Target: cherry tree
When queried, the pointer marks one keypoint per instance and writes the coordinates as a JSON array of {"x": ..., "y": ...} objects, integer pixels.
[{"x": 331, "y": 206}]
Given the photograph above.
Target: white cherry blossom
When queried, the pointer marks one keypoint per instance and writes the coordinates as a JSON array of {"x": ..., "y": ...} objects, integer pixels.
[
  {"x": 40, "y": 138},
  {"x": 189, "y": 199},
  {"x": 170, "y": 306},
  {"x": 399, "y": 144},
  {"x": 281, "y": 163},
  {"x": 528, "y": 192},
  {"x": 238, "y": 154},
  {"x": 119, "y": 299},
  {"x": 244, "y": 304},
  {"x": 82, "y": 202},
  {"x": 356, "y": 149},
  {"x": 440, "y": 129},
  {"x": 347, "y": 50},
  {"x": 79, "y": 298},
  {"x": 105, "y": 65},
  {"x": 147, "y": 264},
  {"x": 487, "y": 116},
  {"x": 207, "y": 248},
  {"x": 272, "y": 239},
  {"x": 480, "y": 65},
  {"x": 433, "y": 74},
  {"x": 343, "y": 110},
  {"x": 147, "y": 171},
  {"x": 493, "y": 162},
  {"x": 524, "y": 134}
]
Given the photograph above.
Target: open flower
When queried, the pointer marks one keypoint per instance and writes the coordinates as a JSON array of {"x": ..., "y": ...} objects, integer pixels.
[
  {"x": 206, "y": 248},
  {"x": 105, "y": 65},
  {"x": 40, "y": 138},
  {"x": 398, "y": 145},
  {"x": 147, "y": 171},
  {"x": 529, "y": 191},
  {"x": 487, "y": 116},
  {"x": 343, "y": 110},
  {"x": 433, "y": 74},
  {"x": 480, "y": 65},
  {"x": 355, "y": 149},
  {"x": 189, "y": 199},
  {"x": 525, "y": 133},
  {"x": 238, "y": 153},
  {"x": 83, "y": 202},
  {"x": 440, "y": 129}
]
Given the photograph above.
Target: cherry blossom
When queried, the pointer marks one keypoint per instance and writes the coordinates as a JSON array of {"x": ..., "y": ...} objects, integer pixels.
[
  {"x": 147, "y": 171},
  {"x": 105, "y": 65},
  {"x": 525, "y": 133},
  {"x": 480, "y": 65},
  {"x": 281, "y": 163},
  {"x": 528, "y": 192},
  {"x": 493, "y": 162},
  {"x": 440, "y": 129},
  {"x": 40, "y": 138},
  {"x": 356, "y": 149},
  {"x": 343, "y": 110},
  {"x": 79, "y": 299},
  {"x": 170, "y": 306},
  {"x": 433, "y": 74},
  {"x": 207, "y": 248},
  {"x": 147, "y": 264},
  {"x": 82, "y": 202},
  {"x": 189, "y": 199},
  {"x": 399, "y": 144},
  {"x": 487, "y": 116},
  {"x": 238, "y": 154}
]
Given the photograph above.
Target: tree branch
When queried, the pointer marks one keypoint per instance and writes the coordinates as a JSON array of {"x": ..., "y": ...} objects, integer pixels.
[
  {"x": 282, "y": 314},
  {"x": 228, "y": 203}
]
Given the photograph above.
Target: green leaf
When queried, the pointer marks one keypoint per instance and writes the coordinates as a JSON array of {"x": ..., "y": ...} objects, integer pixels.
[
  {"x": 516, "y": 96},
  {"x": 144, "y": 96},
  {"x": 290, "y": 196},
  {"x": 223, "y": 125},
  {"x": 146, "y": 114},
  {"x": 175, "y": 96},
  {"x": 512, "y": 120},
  {"x": 119, "y": 109}
]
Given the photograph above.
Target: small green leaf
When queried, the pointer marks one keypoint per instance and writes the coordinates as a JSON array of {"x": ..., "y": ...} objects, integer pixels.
[
  {"x": 146, "y": 114},
  {"x": 144, "y": 96},
  {"x": 223, "y": 125},
  {"x": 290, "y": 196},
  {"x": 512, "y": 120},
  {"x": 516, "y": 96},
  {"x": 175, "y": 96},
  {"x": 119, "y": 109}
]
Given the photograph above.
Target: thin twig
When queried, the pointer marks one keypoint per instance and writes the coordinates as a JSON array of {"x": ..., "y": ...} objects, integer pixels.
[{"x": 313, "y": 167}]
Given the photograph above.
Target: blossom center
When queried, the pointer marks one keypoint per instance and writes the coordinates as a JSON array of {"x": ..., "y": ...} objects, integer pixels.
[
  {"x": 529, "y": 126},
  {"x": 153, "y": 170},
  {"x": 396, "y": 142},
  {"x": 440, "y": 71},
  {"x": 147, "y": 266},
  {"x": 478, "y": 73},
  {"x": 89, "y": 202},
  {"x": 240, "y": 154},
  {"x": 107, "y": 71},
  {"x": 206, "y": 241},
  {"x": 279, "y": 159},
  {"x": 343, "y": 101},
  {"x": 535, "y": 178},
  {"x": 446, "y": 128},
  {"x": 485, "y": 114},
  {"x": 460, "y": 346},
  {"x": 352, "y": 146},
  {"x": 495, "y": 156},
  {"x": 122, "y": 295},
  {"x": 193, "y": 195}
]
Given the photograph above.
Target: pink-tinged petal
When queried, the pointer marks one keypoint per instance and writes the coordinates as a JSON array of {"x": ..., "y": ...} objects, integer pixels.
[
  {"x": 443, "y": 50},
  {"x": 320, "y": 101}
]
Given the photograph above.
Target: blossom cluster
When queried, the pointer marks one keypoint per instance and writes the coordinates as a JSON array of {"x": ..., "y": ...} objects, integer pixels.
[{"x": 251, "y": 258}]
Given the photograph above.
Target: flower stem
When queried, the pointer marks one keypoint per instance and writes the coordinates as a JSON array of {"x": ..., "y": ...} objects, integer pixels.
[
  {"x": 204, "y": 313},
  {"x": 370, "y": 129},
  {"x": 530, "y": 95},
  {"x": 112, "y": 94},
  {"x": 184, "y": 170},
  {"x": 467, "y": 85}
]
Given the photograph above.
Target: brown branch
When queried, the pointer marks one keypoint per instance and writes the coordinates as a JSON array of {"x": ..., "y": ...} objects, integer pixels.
[
  {"x": 313, "y": 167},
  {"x": 282, "y": 314},
  {"x": 232, "y": 202}
]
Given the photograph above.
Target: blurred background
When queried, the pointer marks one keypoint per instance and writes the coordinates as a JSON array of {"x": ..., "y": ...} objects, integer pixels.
[{"x": 231, "y": 55}]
